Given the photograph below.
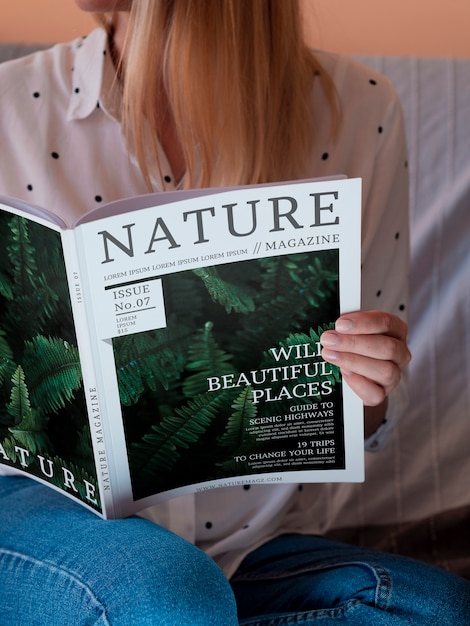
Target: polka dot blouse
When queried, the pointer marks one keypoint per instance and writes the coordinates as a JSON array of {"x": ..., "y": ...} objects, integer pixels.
[{"x": 62, "y": 148}]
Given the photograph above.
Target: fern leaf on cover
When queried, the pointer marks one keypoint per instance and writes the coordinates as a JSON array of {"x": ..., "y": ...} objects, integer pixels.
[
  {"x": 243, "y": 410},
  {"x": 53, "y": 372},
  {"x": 5, "y": 287},
  {"x": 292, "y": 292},
  {"x": 19, "y": 406},
  {"x": 160, "y": 449},
  {"x": 29, "y": 425},
  {"x": 278, "y": 304},
  {"x": 9, "y": 446},
  {"x": 21, "y": 254},
  {"x": 206, "y": 359},
  {"x": 230, "y": 296},
  {"x": 38, "y": 296},
  {"x": 145, "y": 360}
]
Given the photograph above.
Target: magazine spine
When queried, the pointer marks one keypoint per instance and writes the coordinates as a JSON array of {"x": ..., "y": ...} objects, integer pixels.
[{"x": 93, "y": 396}]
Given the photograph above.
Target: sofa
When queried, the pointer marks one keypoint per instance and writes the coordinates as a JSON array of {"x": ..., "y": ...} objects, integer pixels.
[{"x": 416, "y": 497}]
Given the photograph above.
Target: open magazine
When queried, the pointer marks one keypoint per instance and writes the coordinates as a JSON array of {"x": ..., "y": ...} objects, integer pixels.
[{"x": 169, "y": 343}]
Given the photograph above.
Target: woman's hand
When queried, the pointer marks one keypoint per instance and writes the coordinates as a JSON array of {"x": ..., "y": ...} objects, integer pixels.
[{"x": 371, "y": 350}]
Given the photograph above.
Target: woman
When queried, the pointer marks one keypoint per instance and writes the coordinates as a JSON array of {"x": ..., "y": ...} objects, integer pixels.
[{"x": 191, "y": 93}]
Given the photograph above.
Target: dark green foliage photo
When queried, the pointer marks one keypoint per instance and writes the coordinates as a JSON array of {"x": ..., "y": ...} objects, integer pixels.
[
  {"x": 43, "y": 417},
  {"x": 221, "y": 321}
]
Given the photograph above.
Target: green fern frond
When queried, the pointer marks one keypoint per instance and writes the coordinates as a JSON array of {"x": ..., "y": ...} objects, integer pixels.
[
  {"x": 311, "y": 281},
  {"x": 21, "y": 254},
  {"x": 45, "y": 296},
  {"x": 53, "y": 372},
  {"x": 29, "y": 426},
  {"x": 5, "y": 286},
  {"x": 207, "y": 359},
  {"x": 229, "y": 296},
  {"x": 145, "y": 360},
  {"x": 243, "y": 410},
  {"x": 9, "y": 446},
  {"x": 160, "y": 449},
  {"x": 19, "y": 406},
  {"x": 278, "y": 301},
  {"x": 316, "y": 282},
  {"x": 6, "y": 353},
  {"x": 287, "y": 299},
  {"x": 36, "y": 299},
  {"x": 131, "y": 384}
]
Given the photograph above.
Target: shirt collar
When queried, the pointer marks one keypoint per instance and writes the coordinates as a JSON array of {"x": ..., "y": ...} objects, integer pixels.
[
  {"x": 95, "y": 83},
  {"x": 94, "y": 78}
]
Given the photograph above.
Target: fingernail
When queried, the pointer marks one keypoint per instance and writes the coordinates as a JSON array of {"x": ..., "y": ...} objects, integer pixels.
[
  {"x": 344, "y": 324},
  {"x": 329, "y": 338}
]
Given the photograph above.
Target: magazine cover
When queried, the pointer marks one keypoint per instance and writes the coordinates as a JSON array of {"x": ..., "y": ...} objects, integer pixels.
[{"x": 206, "y": 324}]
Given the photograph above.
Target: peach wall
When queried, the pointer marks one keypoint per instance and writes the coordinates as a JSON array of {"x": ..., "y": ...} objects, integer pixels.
[
  {"x": 420, "y": 27},
  {"x": 409, "y": 27},
  {"x": 42, "y": 21}
]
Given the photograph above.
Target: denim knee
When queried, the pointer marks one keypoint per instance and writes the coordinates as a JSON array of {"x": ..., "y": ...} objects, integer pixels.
[
  {"x": 61, "y": 564},
  {"x": 36, "y": 592},
  {"x": 305, "y": 579}
]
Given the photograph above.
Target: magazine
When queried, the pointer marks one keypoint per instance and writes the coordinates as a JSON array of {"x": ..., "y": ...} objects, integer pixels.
[{"x": 170, "y": 343}]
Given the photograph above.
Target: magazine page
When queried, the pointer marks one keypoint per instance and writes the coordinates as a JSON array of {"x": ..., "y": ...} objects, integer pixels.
[
  {"x": 44, "y": 431},
  {"x": 206, "y": 321}
]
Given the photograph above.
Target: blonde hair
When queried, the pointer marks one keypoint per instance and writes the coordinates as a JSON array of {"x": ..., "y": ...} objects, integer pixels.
[{"x": 238, "y": 79}]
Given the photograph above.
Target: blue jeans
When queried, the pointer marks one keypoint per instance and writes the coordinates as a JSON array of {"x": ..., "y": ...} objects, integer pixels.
[
  {"x": 61, "y": 565},
  {"x": 310, "y": 580}
]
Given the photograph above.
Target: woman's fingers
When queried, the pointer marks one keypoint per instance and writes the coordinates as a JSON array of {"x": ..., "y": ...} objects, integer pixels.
[{"x": 371, "y": 350}]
